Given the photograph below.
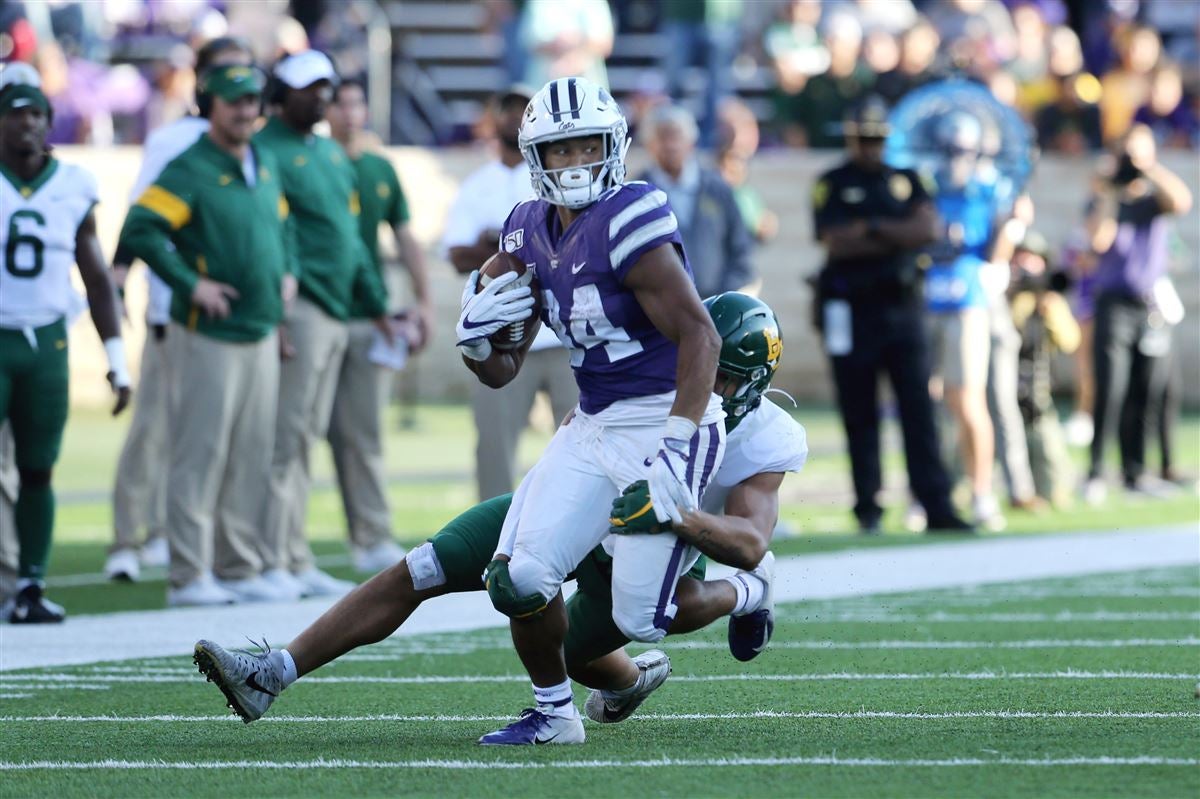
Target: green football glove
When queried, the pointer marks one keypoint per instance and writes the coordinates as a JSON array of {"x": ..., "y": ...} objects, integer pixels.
[
  {"x": 633, "y": 512},
  {"x": 504, "y": 596}
]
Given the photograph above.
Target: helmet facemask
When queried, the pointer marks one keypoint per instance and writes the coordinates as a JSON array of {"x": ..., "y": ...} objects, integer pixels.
[{"x": 582, "y": 185}]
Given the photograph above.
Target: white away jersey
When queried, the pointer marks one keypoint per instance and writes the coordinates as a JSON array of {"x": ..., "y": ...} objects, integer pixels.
[
  {"x": 767, "y": 440},
  {"x": 38, "y": 223}
]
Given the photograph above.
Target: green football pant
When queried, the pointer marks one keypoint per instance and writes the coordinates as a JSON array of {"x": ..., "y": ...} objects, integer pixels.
[
  {"x": 465, "y": 546},
  {"x": 33, "y": 398}
]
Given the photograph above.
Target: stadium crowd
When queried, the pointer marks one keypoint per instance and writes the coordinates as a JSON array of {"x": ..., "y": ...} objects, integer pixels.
[{"x": 1116, "y": 79}]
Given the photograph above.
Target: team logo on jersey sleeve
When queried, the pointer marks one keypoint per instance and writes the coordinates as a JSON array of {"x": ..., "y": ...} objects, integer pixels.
[
  {"x": 900, "y": 187},
  {"x": 513, "y": 241},
  {"x": 383, "y": 190}
]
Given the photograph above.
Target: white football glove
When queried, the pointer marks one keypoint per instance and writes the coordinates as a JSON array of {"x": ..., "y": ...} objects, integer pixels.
[
  {"x": 488, "y": 311},
  {"x": 669, "y": 490}
]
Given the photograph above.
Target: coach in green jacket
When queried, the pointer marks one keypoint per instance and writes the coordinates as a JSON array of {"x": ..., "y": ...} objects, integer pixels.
[
  {"x": 334, "y": 269},
  {"x": 212, "y": 227}
]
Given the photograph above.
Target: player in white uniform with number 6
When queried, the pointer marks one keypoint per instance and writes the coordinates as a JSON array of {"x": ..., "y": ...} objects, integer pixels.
[
  {"x": 46, "y": 225},
  {"x": 616, "y": 289}
]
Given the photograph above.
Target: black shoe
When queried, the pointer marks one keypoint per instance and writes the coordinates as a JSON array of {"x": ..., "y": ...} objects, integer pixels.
[
  {"x": 949, "y": 524},
  {"x": 30, "y": 607},
  {"x": 870, "y": 526}
]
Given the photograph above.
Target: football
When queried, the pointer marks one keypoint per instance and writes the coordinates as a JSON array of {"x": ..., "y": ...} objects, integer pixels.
[{"x": 517, "y": 334}]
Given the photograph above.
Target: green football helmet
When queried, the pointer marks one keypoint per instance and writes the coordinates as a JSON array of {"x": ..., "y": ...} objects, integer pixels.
[{"x": 751, "y": 347}]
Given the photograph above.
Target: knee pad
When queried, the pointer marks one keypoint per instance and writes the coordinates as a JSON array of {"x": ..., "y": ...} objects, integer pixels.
[
  {"x": 34, "y": 478},
  {"x": 424, "y": 567},
  {"x": 644, "y": 624},
  {"x": 530, "y": 576}
]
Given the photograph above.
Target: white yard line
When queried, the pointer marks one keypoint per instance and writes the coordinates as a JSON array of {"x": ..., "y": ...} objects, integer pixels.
[
  {"x": 511, "y": 765},
  {"x": 761, "y": 714},
  {"x": 849, "y": 573},
  {"x": 97, "y": 681}
]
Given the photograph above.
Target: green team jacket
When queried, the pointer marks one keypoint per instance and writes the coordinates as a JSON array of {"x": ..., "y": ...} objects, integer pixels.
[
  {"x": 202, "y": 219},
  {"x": 319, "y": 182},
  {"x": 380, "y": 200}
]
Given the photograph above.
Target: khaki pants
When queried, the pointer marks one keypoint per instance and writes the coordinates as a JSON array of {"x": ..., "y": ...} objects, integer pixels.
[
  {"x": 223, "y": 397},
  {"x": 1011, "y": 449},
  {"x": 9, "y": 550},
  {"x": 140, "y": 493},
  {"x": 501, "y": 415},
  {"x": 1053, "y": 472},
  {"x": 356, "y": 437},
  {"x": 307, "y": 383}
]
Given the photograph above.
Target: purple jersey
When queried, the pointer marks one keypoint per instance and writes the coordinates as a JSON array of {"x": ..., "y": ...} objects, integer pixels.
[{"x": 616, "y": 351}]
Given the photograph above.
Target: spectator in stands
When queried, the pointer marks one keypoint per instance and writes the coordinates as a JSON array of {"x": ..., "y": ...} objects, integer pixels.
[
  {"x": 567, "y": 37},
  {"x": 1126, "y": 88},
  {"x": 705, "y": 34},
  {"x": 472, "y": 236},
  {"x": 1171, "y": 119},
  {"x": 715, "y": 238},
  {"x": 881, "y": 51},
  {"x": 1031, "y": 61},
  {"x": 918, "y": 51},
  {"x": 761, "y": 221},
  {"x": 892, "y": 16},
  {"x": 1043, "y": 318},
  {"x": 986, "y": 22},
  {"x": 1069, "y": 122},
  {"x": 811, "y": 118},
  {"x": 1136, "y": 196},
  {"x": 794, "y": 47}
]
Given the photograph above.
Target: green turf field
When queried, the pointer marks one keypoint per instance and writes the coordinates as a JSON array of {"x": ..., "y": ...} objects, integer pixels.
[{"x": 1076, "y": 687}]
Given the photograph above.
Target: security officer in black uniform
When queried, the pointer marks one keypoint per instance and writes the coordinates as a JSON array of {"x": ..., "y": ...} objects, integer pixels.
[{"x": 873, "y": 221}]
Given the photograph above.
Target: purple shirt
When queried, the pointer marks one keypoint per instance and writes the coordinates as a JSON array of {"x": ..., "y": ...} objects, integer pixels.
[
  {"x": 616, "y": 351},
  {"x": 1138, "y": 256}
]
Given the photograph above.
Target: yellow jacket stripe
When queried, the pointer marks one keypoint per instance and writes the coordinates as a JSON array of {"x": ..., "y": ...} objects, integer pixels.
[{"x": 167, "y": 205}]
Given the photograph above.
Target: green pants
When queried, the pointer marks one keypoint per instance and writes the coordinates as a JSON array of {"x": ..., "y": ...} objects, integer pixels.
[
  {"x": 33, "y": 399},
  {"x": 465, "y": 546}
]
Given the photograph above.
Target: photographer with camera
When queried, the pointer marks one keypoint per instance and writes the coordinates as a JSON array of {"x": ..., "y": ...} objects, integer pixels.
[
  {"x": 1129, "y": 230},
  {"x": 1044, "y": 321}
]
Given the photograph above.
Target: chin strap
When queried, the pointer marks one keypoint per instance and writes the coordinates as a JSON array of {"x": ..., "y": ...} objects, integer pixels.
[{"x": 784, "y": 393}]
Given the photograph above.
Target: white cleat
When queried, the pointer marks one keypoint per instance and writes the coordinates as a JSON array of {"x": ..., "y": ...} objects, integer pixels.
[
  {"x": 201, "y": 592},
  {"x": 536, "y": 726},
  {"x": 319, "y": 583},
  {"x": 287, "y": 586},
  {"x": 156, "y": 552},
  {"x": 256, "y": 589},
  {"x": 608, "y": 707},
  {"x": 123, "y": 565},
  {"x": 250, "y": 682},
  {"x": 375, "y": 559}
]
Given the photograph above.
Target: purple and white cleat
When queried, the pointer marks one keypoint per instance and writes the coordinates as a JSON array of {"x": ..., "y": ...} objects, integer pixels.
[
  {"x": 749, "y": 633},
  {"x": 537, "y": 726}
]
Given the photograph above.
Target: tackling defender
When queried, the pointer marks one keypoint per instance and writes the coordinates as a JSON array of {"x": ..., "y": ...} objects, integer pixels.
[
  {"x": 734, "y": 527},
  {"x": 46, "y": 224},
  {"x": 617, "y": 291}
]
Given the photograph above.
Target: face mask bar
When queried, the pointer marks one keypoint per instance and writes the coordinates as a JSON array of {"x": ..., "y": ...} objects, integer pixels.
[{"x": 547, "y": 182}]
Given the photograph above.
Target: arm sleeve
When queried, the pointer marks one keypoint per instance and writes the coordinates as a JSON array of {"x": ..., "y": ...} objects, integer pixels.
[
  {"x": 641, "y": 222},
  {"x": 739, "y": 269},
  {"x": 160, "y": 211}
]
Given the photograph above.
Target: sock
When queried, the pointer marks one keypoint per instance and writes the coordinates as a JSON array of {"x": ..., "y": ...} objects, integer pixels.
[
  {"x": 34, "y": 517},
  {"x": 750, "y": 592},
  {"x": 559, "y": 697},
  {"x": 282, "y": 660}
]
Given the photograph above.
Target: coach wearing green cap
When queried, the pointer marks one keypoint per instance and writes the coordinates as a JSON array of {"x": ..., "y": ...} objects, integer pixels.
[{"x": 212, "y": 227}]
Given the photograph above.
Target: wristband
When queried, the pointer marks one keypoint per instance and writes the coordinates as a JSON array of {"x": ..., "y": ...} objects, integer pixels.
[
  {"x": 114, "y": 348},
  {"x": 680, "y": 427},
  {"x": 477, "y": 349}
]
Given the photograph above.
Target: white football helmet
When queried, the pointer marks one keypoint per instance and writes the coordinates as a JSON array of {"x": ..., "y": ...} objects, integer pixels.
[{"x": 567, "y": 108}]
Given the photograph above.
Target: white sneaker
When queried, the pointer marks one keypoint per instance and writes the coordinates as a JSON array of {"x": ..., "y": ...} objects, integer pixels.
[
  {"x": 201, "y": 592},
  {"x": 123, "y": 565},
  {"x": 287, "y": 586},
  {"x": 319, "y": 583},
  {"x": 1094, "y": 491},
  {"x": 256, "y": 589},
  {"x": 608, "y": 707},
  {"x": 986, "y": 512},
  {"x": 250, "y": 682},
  {"x": 156, "y": 552},
  {"x": 1079, "y": 429},
  {"x": 383, "y": 555},
  {"x": 915, "y": 518}
]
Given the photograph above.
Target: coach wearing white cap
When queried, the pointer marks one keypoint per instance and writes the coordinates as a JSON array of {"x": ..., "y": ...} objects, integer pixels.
[{"x": 335, "y": 268}]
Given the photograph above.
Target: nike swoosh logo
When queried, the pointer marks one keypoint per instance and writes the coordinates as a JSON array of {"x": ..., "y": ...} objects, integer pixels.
[
  {"x": 577, "y": 268},
  {"x": 469, "y": 325},
  {"x": 648, "y": 462},
  {"x": 253, "y": 683},
  {"x": 537, "y": 740}
]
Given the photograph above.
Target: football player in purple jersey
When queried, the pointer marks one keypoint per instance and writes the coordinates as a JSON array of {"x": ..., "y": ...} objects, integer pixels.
[{"x": 616, "y": 288}]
